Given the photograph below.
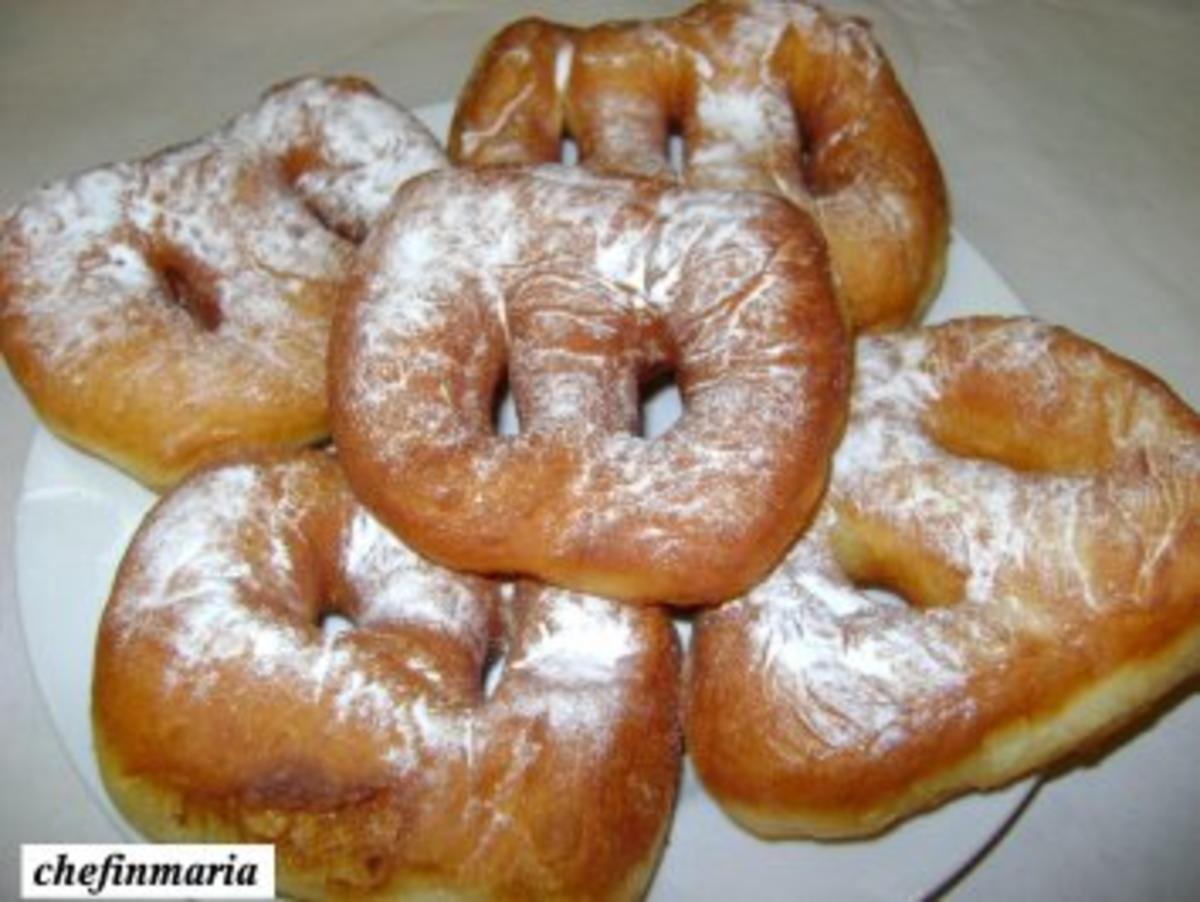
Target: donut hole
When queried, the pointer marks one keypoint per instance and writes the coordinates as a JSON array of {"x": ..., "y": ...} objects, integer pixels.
[
  {"x": 877, "y": 558},
  {"x": 505, "y": 421},
  {"x": 659, "y": 404},
  {"x": 674, "y": 151},
  {"x": 568, "y": 152},
  {"x": 493, "y": 670},
  {"x": 186, "y": 284},
  {"x": 332, "y": 624}
]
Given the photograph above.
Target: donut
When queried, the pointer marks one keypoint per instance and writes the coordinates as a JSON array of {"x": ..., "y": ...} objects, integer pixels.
[
  {"x": 1029, "y": 503},
  {"x": 579, "y": 288},
  {"x": 374, "y": 758},
  {"x": 781, "y": 97},
  {"x": 165, "y": 312}
]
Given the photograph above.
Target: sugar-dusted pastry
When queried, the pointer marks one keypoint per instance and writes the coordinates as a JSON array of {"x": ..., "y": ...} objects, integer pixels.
[
  {"x": 579, "y": 288},
  {"x": 768, "y": 95},
  {"x": 376, "y": 759},
  {"x": 1034, "y": 501},
  {"x": 168, "y": 311}
]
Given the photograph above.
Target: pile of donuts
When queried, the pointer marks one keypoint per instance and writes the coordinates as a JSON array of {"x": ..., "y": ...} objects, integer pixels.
[{"x": 922, "y": 560}]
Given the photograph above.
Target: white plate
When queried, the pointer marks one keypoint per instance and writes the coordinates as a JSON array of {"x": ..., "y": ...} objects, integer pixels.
[{"x": 76, "y": 514}]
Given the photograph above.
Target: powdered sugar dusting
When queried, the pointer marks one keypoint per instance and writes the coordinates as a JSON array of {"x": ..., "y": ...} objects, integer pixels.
[
  {"x": 577, "y": 643},
  {"x": 368, "y": 146},
  {"x": 781, "y": 97},
  {"x": 868, "y": 672},
  {"x": 394, "y": 582},
  {"x": 233, "y": 535},
  {"x": 559, "y": 269},
  {"x": 742, "y": 132},
  {"x": 583, "y": 639},
  {"x": 93, "y": 263},
  {"x": 220, "y": 576}
]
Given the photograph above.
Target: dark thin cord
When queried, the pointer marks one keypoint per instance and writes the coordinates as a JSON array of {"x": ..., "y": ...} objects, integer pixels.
[{"x": 947, "y": 886}]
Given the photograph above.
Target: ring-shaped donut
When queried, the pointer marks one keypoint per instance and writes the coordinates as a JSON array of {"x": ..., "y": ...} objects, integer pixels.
[
  {"x": 781, "y": 97},
  {"x": 373, "y": 758},
  {"x": 583, "y": 287},
  {"x": 164, "y": 312},
  {"x": 1034, "y": 500}
]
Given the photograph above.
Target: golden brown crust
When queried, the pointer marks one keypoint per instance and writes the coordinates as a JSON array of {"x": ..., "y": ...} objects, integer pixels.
[
  {"x": 167, "y": 312},
  {"x": 581, "y": 287},
  {"x": 779, "y": 97},
  {"x": 1047, "y": 596},
  {"x": 373, "y": 760}
]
